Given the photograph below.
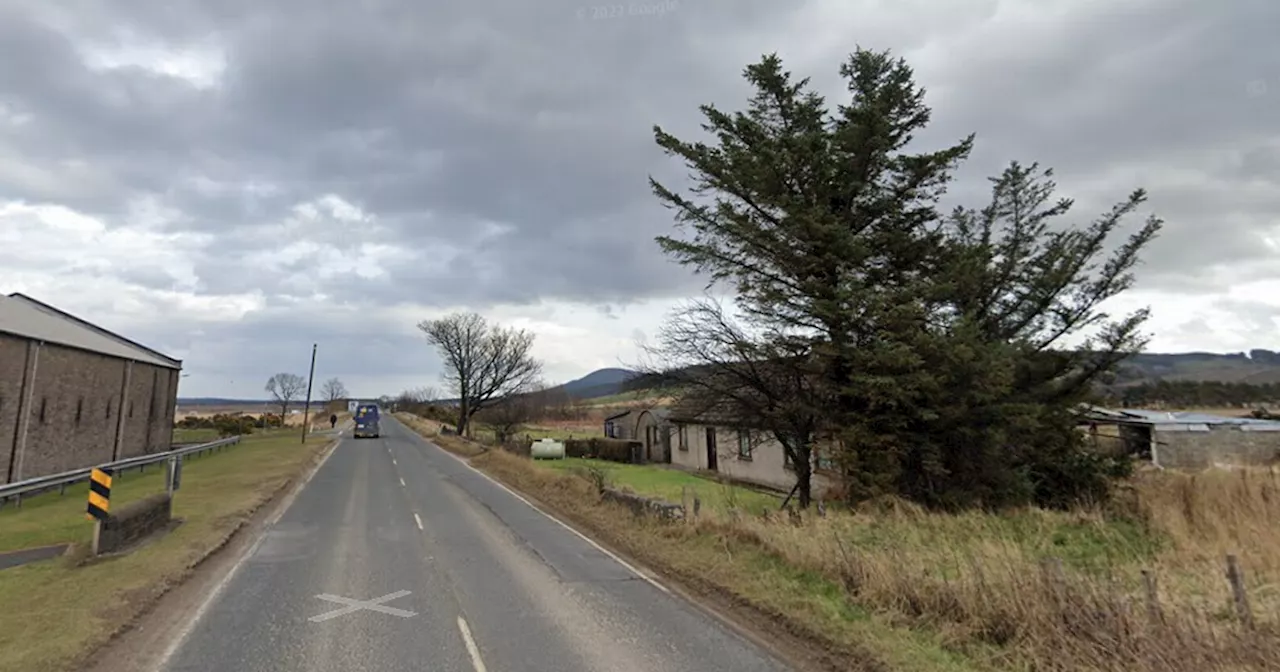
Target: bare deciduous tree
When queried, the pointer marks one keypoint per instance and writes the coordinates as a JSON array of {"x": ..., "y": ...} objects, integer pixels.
[
  {"x": 509, "y": 414},
  {"x": 723, "y": 373},
  {"x": 333, "y": 390},
  {"x": 416, "y": 400},
  {"x": 285, "y": 388},
  {"x": 483, "y": 362}
]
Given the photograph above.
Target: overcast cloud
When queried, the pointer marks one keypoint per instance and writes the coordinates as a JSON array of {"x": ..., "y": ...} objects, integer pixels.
[{"x": 230, "y": 181}]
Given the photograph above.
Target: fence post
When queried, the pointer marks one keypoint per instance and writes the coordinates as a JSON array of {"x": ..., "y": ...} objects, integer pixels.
[
  {"x": 1054, "y": 579},
  {"x": 1235, "y": 576},
  {"x": 1153, "y": 597}
]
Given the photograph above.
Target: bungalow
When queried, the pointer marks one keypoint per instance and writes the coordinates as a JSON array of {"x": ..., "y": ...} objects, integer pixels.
[
  {"x": 716, "y": 441},
  {"x": 648, "y": 426},
  {"x": 1182, "y": 440}
]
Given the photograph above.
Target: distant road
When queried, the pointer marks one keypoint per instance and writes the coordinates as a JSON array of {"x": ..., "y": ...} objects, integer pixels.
[{"x": 430, "y": 566}]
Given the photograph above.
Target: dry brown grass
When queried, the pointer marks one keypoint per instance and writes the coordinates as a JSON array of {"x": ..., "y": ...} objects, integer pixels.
[
  {"x": 1027, "y": 590},
  {"x": 431, "y": 429}
]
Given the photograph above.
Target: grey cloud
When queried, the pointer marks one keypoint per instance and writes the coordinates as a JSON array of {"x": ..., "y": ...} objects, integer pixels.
[
  {"x": 1154, "y": 83},
  {"x": 439, "y": 119}
]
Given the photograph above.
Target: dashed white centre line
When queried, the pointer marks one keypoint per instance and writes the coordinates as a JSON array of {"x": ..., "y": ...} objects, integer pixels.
[
  {"x": 417, "y": 520},
  {"x": 472, "y": 649},
  {"x": 402, "y": 483}
]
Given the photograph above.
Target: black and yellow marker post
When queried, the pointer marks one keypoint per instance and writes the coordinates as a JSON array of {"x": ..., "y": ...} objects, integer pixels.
[{"x": 99, "y": 494}]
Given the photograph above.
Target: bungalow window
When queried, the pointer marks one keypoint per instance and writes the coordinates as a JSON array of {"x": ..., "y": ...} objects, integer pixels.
[
  {"x": 744, "y": 444},
  {"x": 682, "y": 436},
  {"x": 823, "y": 458}
]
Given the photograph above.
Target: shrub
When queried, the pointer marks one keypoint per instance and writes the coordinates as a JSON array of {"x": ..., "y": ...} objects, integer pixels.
[{"x": 613, "y": 450}]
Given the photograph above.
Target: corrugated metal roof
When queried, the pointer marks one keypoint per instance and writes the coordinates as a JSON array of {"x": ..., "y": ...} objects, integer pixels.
[
  {"x": 1176, "y": 421},
  {"x": 1191, "y": 418},
  {"x": 24, "y": 316}
]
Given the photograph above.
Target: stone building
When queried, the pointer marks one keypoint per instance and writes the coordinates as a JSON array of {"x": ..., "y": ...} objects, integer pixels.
[
  {"x": 74, "y": 395},
  {"x": 1183, "y": 440}
]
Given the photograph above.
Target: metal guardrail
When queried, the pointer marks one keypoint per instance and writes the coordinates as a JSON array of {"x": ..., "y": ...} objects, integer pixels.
[{"x": 43, "y": 483}]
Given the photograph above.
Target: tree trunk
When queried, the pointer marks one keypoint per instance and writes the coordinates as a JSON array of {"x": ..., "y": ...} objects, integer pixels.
[
  {"x": 804, "y": 478},
  {"x": 801, "y": 459},
  {"x": 463, "y": 418}
]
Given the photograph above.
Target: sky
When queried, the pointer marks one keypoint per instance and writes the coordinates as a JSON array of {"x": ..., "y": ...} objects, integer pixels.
[{"x": 231, "y": 181}]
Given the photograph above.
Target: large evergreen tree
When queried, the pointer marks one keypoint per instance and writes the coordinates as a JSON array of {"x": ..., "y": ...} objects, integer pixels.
[
  {"x": 821, "y": 222},
  {"x": 934, "y": 344}
]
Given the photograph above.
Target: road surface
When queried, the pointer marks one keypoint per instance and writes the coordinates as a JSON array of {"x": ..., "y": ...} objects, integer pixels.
[{"x": 397, "y": 556}]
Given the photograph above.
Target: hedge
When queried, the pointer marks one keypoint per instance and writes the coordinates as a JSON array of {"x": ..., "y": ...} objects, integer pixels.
[{"x": 613, "y": 450}]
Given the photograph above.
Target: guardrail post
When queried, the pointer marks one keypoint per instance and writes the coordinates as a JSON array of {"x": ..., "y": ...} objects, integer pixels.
[{"x": 97, "y": 537}]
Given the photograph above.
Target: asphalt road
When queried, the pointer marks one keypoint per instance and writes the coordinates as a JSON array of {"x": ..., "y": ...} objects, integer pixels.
[{"x": 438, "y": 568}]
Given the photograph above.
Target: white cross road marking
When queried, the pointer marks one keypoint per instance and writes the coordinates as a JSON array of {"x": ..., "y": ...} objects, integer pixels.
[{"x": 361, "y": 605}]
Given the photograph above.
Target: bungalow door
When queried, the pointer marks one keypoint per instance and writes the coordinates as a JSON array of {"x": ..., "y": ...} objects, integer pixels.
[{"x": 711, "y": 449}]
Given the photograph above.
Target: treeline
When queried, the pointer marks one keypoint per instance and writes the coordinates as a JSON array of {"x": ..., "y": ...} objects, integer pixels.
[
  {"x": 505, "y": 415},
  {"x": 1194, "y": 393},
  {"x": 231, "y": 424}
]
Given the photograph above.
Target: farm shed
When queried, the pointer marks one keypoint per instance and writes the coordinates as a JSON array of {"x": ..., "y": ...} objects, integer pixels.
[
  {"x": 1184, "y": 440},
  {"x": 73, "y": 394}
]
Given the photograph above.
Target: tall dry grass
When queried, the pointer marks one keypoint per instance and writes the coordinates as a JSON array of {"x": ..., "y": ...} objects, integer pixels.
[
  {"x": 1031, "y": 589},
  {"x": 1063, "y": 591}
]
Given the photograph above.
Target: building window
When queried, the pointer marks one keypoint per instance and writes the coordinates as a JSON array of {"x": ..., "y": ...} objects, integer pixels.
[
  {"x": 822, "y": 456},
  {"x": 744, "y": 444},
  {"x": 682, "y": 436}
]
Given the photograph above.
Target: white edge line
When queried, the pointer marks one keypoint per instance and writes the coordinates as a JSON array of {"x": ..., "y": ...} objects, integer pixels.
[
  {"x": 472, "y": 649},
  {"x": 650, "y": 580},
  {"x": 212, "y": 597},
  {"x": 417, "y": 520}
]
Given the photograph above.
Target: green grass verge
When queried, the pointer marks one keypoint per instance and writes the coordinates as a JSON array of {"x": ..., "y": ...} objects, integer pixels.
[
  {"x": 202, "y": 435},
  {"x": 69, "y": 610},
  {"x": 669, "y": 484}
]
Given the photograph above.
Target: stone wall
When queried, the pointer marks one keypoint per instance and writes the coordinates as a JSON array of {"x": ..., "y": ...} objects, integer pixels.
[
  {"x": 644, "y": 505},
  {"x": 1222, "y": 445},
  {"x": 133, "y": 522}
]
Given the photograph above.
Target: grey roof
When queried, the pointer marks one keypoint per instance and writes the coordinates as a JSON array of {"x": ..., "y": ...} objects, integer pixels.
[
  {"x": 1180, "y": 420},
  {"x": 615, "y": 416},
  {"x": 26, "y": 317},
  {"x": 660, "y": 413}
]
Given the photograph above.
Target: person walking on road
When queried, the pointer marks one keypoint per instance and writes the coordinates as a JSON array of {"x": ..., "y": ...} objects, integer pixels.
[{"x": 333, "y": 420}]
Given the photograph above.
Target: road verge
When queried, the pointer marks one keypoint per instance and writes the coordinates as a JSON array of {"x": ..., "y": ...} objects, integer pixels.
[
  {"x": 87, "y": 610},
  {"x": 801, "y": 617}
]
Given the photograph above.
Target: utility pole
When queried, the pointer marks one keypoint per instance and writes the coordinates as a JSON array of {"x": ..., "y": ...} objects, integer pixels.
[{"x": 306, "y": 409}]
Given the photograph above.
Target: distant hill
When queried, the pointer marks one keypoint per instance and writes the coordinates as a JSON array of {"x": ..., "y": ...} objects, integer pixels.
[
  {"x": 1255, "y": 367},
  {"x": 601, "y": 383},
  {"x": 218, "y": 401}
]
